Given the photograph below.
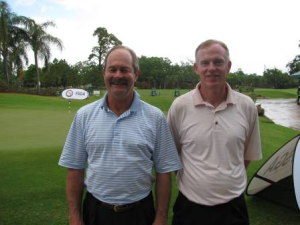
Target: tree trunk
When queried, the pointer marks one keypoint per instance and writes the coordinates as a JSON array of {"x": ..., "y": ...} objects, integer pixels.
[
  {"x": 5, "y": 67},
  {"x": 37, "y": 72},
  {"x": 100, "y": 65},
  {"x": 165, "y": 83}
]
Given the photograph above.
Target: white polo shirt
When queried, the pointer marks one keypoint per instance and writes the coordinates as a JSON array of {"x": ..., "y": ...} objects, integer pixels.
[{"x": 213, "y": 144}]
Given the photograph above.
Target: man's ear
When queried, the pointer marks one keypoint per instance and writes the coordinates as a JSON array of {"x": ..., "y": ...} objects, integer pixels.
[
  {"x": 229, "y": 66},
  {"x": 137, "y": 74},
  {"x": 196, "y": 68}
]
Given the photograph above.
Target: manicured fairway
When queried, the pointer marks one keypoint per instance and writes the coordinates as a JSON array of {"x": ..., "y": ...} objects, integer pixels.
[{"x": 32, "y": 134}]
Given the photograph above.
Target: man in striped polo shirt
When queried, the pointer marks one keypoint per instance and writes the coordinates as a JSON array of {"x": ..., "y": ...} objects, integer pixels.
[{"x": 117, "y": 141}]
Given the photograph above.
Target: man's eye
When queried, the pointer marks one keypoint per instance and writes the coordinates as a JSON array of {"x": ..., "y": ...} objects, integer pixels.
[
  {"x": 218, "y": 62},
  {"x": 124, "y": 70},
  {"x": 204, "y": 63},
  {"x": 112, "y": 70}
]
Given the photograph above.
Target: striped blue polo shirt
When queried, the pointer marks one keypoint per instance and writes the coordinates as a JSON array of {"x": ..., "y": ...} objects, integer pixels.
[{"x": 119, "y": 153}]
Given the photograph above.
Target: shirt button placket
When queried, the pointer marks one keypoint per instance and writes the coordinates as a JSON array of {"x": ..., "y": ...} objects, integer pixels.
[
  {"x": 215, "y": 120},
  {"x": 116, "y": 134}
]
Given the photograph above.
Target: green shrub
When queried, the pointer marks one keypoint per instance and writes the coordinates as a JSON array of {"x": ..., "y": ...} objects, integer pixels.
[{"x": 3, "y": 86}]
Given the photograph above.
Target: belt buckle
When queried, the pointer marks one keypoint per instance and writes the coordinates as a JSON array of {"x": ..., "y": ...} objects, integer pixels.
[{"x": 116, "y": 208}]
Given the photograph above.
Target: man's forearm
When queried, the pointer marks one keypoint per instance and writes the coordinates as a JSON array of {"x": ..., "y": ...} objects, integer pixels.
[
  {"x": 74, "y": 195},
  {"x": 163, "y": 195},
  {"x": 246, "y": 163}
]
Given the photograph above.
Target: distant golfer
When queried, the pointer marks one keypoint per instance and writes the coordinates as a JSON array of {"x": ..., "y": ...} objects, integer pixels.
[
  {"x": 119, "y": 139},
  {"x": 217, "y": 135}
]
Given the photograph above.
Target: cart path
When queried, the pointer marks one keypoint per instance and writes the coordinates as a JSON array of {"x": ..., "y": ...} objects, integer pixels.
[{"x": 284, "y": 112}]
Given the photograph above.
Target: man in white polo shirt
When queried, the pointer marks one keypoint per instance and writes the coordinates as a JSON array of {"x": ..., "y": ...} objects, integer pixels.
[
  {"x": 117, "y": 141},
  {"x": 216, "y": 133}
]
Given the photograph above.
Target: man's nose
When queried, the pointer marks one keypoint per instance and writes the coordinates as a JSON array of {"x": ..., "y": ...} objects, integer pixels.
[
  {"x": 118, "y": 74},
  {"x": 211, "y": 66}
]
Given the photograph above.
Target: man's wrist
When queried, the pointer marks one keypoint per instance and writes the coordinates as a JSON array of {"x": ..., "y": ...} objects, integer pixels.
[
  {"x": 161, "y": 218},
  {"x": 75, "y": 219}
]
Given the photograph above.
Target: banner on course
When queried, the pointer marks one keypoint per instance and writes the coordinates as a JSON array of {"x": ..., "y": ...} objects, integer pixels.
[{"x": 278, "y": 179}]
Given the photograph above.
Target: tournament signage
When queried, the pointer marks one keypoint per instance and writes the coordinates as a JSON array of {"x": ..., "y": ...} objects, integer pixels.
[
  {"x": 76, "y": 94},
  {"x": 278, "y": 179},
  {"x": 296, "y": 170},
  {"x": 73, "y": 93}
]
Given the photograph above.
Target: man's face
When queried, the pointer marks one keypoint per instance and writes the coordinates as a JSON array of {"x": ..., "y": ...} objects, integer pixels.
[
  {"x": 119, "y": 76},
  {"x": 212, "y": 66}
]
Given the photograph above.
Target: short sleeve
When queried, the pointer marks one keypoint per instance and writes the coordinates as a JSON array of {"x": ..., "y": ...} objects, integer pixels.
[
  {"x": 166, "y": 157},
  {"x": 74, "y": 153},
  {"x": 253, "y": 142}
]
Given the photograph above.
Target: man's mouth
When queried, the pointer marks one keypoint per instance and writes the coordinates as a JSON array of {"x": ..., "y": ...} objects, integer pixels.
[
  {"x": 212, "y": 76},
  {"x": 118, "y": 81}
]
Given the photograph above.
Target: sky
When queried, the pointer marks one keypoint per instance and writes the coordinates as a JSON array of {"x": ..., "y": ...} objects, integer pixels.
[{"x": 260, "y": 34}]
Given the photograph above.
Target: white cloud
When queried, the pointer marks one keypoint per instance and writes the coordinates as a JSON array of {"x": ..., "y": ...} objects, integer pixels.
[
  {"x": 44, "y": 8},
  {"x": 25, "y": 2}
]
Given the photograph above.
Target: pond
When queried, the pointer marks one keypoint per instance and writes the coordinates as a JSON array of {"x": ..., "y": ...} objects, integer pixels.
[{"x": 284, "y": 112}]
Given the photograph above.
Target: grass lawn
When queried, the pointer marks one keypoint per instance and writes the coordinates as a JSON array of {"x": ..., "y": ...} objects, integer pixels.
[
  {"x": 276, "y": 93},
  {"x": 32, "y": 134}
]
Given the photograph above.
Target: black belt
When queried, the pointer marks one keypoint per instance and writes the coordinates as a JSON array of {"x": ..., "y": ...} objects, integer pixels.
[
  {"x": 119, "y": 208},
  {"x": 116, "y": 208}
]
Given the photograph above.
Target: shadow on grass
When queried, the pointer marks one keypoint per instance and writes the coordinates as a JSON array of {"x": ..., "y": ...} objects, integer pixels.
[{"x": 266, "y": 212}]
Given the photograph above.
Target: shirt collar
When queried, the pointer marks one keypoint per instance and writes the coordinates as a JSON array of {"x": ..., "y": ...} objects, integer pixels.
[
  {"x": 135, "y": 105},
  {"x": 198, "y": 100}
]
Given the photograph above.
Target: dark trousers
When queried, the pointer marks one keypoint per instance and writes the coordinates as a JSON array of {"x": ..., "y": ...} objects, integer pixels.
[
  {"x": 230, "y": 213},
  {"x": 94, "y": 213}
]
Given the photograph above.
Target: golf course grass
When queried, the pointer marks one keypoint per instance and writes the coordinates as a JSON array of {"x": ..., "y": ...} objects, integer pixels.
[
  {"x": 276, "y": 93},
  {"x": 32, "y": 135}
]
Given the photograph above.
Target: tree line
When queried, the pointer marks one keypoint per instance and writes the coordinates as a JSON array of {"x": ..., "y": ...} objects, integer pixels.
[
  {"x": 20, "y": 34},
  {"x": 155, "y": 72}
]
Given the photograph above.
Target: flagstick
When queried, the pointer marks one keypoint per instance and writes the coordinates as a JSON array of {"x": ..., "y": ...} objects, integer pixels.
[{"x": 69, "y": 105}]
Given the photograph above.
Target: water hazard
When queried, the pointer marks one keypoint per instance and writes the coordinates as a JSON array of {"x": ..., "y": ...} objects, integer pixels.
[{"x": 284, "y": 112}]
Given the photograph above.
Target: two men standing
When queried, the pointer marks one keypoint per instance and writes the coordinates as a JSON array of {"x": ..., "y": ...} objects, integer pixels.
[{"x": 121, "y": 138}]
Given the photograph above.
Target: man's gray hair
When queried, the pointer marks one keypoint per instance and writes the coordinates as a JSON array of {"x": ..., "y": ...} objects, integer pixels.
[
  {"x": 135, "y": 61},
  {"x": 210, "y": 42}
]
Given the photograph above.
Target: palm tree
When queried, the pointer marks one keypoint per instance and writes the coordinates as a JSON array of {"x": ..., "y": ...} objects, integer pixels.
[
  {"x": 11, "y": 38},
  {"x": 105, "y": 42},
  {"x": 40, "y": 42},
  {"x": 17, "y": 57}
]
